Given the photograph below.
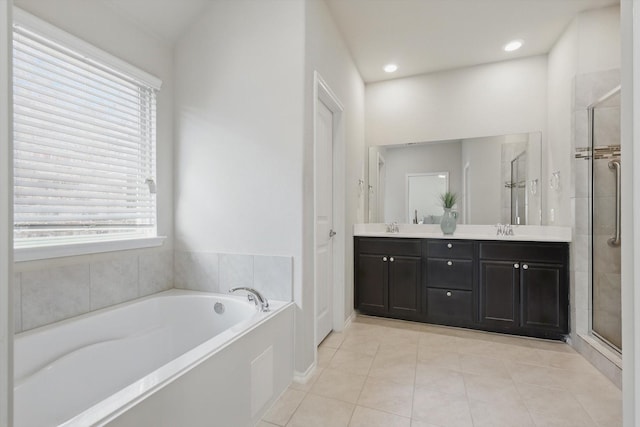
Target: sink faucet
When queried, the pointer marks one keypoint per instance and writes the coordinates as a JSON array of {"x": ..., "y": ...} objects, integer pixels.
[
  {"x": 253, "y": 295},
  {"x": 504, "y": 230}
]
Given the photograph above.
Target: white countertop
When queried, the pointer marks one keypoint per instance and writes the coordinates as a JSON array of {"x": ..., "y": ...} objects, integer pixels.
[{"x": 528, "y": 233}]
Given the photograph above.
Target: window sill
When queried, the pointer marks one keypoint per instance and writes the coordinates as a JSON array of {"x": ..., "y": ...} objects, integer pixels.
[{"x": 84, "y": 248}]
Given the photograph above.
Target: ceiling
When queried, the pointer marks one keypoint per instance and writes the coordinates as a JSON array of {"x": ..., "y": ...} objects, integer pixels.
[{"x": 420, "y": 36}]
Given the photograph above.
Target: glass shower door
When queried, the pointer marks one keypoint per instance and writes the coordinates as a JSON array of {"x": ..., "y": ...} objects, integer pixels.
[{"x": 606, "y": 322}]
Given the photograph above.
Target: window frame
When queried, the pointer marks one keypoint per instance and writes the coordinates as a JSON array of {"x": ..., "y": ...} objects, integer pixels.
[{"x": 44, "y": 249}]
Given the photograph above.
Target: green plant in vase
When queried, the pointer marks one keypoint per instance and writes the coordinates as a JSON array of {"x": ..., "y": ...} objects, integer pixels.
[{"x": 449, "y": 217}]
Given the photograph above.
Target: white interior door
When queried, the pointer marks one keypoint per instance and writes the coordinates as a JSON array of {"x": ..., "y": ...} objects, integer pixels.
[{"x": 324, "y": 221}]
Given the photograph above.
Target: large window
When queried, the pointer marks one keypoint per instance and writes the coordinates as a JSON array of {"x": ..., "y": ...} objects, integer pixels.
[{"x": 84, "y": 142}]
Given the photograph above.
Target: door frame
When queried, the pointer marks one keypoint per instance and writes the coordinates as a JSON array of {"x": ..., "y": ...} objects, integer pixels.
[
  {"x": 6, "y": 215},
  {"x": 323, "y": 93}
]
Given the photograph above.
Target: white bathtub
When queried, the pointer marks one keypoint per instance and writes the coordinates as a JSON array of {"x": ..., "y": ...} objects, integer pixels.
[{"x": 165, "y": 360}]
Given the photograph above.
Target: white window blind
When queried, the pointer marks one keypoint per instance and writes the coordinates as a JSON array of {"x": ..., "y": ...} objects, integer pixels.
[{"x": 84, "y": 147}]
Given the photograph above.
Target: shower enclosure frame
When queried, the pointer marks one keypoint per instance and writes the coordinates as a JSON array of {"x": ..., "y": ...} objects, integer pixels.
[{"x": 614, "y": 165}]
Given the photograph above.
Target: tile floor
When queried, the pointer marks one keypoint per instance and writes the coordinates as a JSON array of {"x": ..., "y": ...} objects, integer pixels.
[{"x": 388, "y": 373}]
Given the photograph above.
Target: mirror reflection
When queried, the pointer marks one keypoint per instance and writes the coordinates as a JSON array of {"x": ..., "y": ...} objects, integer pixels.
[{"x": 496, "y": 179}]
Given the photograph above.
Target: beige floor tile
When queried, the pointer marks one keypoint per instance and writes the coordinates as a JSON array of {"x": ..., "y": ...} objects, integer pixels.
[
  {"x": 367, "y": 417},
  {"x": 325, "y": 354},
  {"x": 351, "y": 362},
  {"x": 439, "y": 379},
  {"x": 548, "y": 345},
  {"x": 441, "y": 409},
  {"x": 482, "y": 365},
  {"x": 418, "y": 423},
  {"x": 339, "y": 385},
  {"x": 387, "y": 396},
  {"x": 282, "y": 410},
  {"x": 361, "y": 344},
  {"x": 532, "y": 374},
  {"x": 318, "y": 411},
  {"x": 438, "y": 342},
  {"x": 310, "y": 381},
  {"x": 401, "y": 369},
  {"x": 552, "y": 407},
  {"x": 569, "y": 361},
  {"x": 408, "y": 351},
  {"x": 440, "y": 359},
  {"x": 606, "y": 412},
  {"x": 591, "y": 379},
  {"x": 266, "y": 424},
  {"x": 473, "y": 346},
  {"x": 485, "y": 388},
  {"x": 333, "y": 340},
  {"x": 500, "y": 414}
]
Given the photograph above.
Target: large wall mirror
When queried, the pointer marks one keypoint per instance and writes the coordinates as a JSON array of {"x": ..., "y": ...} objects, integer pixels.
[{"x": 496, "y": 179}]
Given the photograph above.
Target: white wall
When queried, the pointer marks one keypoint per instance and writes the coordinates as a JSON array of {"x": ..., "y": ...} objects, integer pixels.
[
  {"x": 327, "y": 54},
  {"x": 492, "y": 99},
  {"x": 591, "y": 43},
  {"x": 630, "y": 128},
  {"x": 239, "y": 132},
  {"x": 401, "y": 160},
  {"x": 50, "y": 290}
]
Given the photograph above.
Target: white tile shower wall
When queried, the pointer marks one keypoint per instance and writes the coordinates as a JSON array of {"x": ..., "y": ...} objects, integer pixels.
[
  {"x": 206, "y": 271},
  {"x": 48, "y": 295}
]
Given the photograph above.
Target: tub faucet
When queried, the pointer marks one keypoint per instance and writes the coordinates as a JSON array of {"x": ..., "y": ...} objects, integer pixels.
[{"x": 252, "y": 295}]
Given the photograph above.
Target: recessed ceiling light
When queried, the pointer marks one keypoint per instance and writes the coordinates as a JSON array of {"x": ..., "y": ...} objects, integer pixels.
[
  {"x": 513, "y": 45},
  {"x": 390, "y": 68}
]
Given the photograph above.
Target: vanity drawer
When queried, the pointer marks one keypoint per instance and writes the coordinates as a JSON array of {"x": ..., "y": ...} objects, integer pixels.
[
  {"x": 450, "y": 273},
  {"x": 449, "y": 249},
  {"x": 530, "y": 251},
  {"x": 389, "y": 246},
  {"x": 450, "y": 305}
]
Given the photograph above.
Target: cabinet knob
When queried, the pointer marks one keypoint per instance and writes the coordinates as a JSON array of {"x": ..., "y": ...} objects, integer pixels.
[
  {"x": 391, "y": 259},
  {"x": 384, "y": 258},
  {"x": 525, "y": 267},
  {"x": 449, "y": 263},
  {"x": 516, "y": 265},
  {"x": 449, "y": 245},
  {"x": 448, "y": 293}
]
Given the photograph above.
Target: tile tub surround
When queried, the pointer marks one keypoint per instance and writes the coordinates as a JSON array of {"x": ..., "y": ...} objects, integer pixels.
[
  {"x": 381, "y": 372},
  {"x": 47, "y": 295},
  {"x": 215, "y": 272}
]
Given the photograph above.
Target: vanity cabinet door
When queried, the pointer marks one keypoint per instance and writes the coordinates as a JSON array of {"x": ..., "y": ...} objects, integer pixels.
[
  {"x": 388, "y": 277},
  {"x": 372, "y": 283},
  {"x": 543, "y": 297},
  {"x": 404, "y": 285},
  {"x": 524, "y": 288},
  {"x": 499, "y": 294}
]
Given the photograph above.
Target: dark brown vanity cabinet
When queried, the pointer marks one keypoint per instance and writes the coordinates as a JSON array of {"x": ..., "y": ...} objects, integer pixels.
[
  {"x": 387, "y": 279},
  {"x": 502, "y": 286},
  {"x": 450, "y": 282},
  {"x": 523, "y": 288}
]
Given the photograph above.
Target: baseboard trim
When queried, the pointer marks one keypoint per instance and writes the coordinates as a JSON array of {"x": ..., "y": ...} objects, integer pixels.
[{"x": 304, "y": 377}]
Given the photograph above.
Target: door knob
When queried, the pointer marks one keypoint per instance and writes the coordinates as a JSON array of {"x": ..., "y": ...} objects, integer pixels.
[
  {"x": 391, "y": 259},
  {"x": 332, "y": 233},
  {"x": 449, "y": 263},
  {"x": 384, "y": 258},
  {"x": 449, "y": 245},
  {"x": 516, "y": 265},
  {"x": 448, "y": 293},
  {"x": 525, "y": 267}
]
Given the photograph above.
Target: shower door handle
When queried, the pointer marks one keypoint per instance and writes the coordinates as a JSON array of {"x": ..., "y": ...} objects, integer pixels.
[{"x": 615, "y": 240}]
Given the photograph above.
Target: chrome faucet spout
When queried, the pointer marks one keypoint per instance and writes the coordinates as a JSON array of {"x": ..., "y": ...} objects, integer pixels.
[{"x": 253, "y": 295}]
